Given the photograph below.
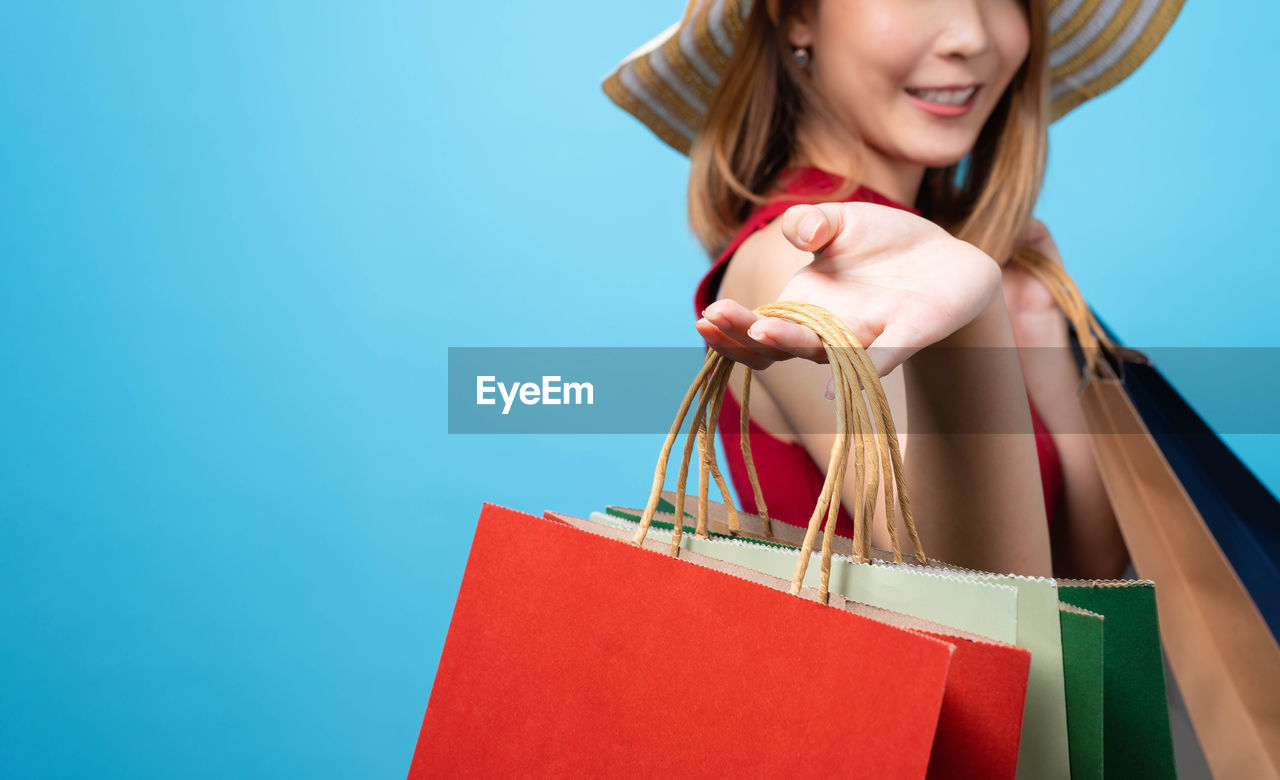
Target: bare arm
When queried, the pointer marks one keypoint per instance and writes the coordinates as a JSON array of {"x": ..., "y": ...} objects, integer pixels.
[
  {"x": 979, "y": 475},
  {"x": 1086, "y": 541}
]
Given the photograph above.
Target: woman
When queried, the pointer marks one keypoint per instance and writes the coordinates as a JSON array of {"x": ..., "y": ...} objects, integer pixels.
[{"x": 919, "y": 130}]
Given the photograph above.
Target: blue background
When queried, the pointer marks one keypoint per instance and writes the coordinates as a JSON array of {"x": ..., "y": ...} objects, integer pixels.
[{"x": 236, "y": 239}]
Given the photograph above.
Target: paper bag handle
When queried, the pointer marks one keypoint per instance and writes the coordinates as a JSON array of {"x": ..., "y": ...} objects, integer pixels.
[{"x": 857, "y": 418}]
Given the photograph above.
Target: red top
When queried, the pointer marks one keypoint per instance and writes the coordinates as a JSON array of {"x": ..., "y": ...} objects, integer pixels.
[{"x": 789, "y": 477}]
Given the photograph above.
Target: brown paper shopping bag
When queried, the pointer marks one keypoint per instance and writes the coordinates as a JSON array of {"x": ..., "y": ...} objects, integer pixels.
[{"x": 1222, "y": 653}]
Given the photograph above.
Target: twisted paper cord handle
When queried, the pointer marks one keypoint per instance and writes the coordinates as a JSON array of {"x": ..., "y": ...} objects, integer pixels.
[
  {"x": 877, "y": 456},
  {"x": 1093, "y": 339}
]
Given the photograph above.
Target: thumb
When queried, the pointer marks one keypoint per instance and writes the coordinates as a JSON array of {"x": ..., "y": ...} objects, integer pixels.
[
  {"x": 895, "y": 344},
  {"x": 812, "y": 226}
]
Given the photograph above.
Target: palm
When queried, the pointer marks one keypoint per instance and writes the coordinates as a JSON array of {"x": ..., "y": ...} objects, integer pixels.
[{"x": 897, "y": 279}]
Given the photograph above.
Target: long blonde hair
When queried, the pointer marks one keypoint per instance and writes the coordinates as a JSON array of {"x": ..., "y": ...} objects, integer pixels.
[{"x": 749, "y": 137}]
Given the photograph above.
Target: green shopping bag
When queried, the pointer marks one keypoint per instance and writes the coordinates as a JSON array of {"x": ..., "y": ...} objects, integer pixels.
[
  {"x": 1136, "y": 737},
  {"x": 1082, "y": 642}
]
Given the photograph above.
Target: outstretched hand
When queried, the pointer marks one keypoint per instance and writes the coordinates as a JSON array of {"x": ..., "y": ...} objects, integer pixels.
[{"x": 898, "y": 281}]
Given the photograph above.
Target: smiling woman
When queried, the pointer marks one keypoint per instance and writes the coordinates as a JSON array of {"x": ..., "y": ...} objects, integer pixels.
[
  {"x": 921, "y": 130},
  {"x": 908, "y": 84}
]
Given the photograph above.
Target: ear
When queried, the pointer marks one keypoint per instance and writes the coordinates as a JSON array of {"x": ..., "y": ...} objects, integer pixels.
[{"x": 797, "y": 26}]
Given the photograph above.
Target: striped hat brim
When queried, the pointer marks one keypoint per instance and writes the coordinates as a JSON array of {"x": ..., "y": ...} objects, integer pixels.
[{"x": 668, "y": 82}]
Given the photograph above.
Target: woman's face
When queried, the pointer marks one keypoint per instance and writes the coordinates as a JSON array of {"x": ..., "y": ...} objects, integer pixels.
[{"x": 880, "y": 63}]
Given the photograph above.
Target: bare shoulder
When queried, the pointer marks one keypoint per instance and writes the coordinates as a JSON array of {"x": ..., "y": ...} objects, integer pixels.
[{"x": 762, "y": 266}]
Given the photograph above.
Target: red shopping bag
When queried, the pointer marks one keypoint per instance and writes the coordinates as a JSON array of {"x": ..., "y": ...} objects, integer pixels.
[
  {"x": 980, "y": 724},
  {"x": 570, "y": 654}
]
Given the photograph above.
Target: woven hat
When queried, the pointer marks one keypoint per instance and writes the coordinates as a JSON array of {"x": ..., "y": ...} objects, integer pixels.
[{"x": 668, "y": 82}]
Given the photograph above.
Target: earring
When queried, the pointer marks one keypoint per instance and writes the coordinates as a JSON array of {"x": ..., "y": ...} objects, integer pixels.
[{"x": 801, "y": 56}]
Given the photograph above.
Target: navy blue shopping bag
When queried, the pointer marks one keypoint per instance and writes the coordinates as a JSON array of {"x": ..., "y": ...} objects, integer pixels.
[{"x": 1240, "y": 512}]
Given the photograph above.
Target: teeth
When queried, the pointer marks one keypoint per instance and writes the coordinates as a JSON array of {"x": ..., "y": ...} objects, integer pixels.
[{"x": 946, "y": 97}]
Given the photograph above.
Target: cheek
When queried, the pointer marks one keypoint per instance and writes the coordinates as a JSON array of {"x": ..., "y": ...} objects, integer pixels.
[
  {"x": 861, "y": 89},
  {"x": 1013, "y": 41},
  {"x": 875, "y": 44},
  {"x": 893, "y": 46}
]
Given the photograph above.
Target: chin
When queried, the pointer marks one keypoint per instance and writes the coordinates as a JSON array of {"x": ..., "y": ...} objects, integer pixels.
[
  {"x": 938, "y": 159},
  {"x": 932, "y": 151}
]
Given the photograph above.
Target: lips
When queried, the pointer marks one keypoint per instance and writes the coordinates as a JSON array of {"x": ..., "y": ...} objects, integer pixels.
[
  {"x": 946, "y": 104},
  {"x": 945, "y": 96}
]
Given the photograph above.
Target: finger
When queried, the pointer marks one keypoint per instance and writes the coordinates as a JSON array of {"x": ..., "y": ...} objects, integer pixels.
[
  {"x": 789, "y": 337},
  {"x": 831, "y": 387},
  {"x": 1036, "y": 231},
  {"x": 811, "y": 226},
  {"x": 734, "y": 320},
  {"x": 730, "y": 348},
  {"x": 894, "y": 346}
]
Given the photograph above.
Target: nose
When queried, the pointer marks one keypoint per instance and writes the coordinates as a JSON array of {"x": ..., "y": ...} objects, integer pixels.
[{"x": 965, "y": 32}]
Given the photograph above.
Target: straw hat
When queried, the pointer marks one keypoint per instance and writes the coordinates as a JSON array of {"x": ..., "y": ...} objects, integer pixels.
[{"x": 668, "y": 82}]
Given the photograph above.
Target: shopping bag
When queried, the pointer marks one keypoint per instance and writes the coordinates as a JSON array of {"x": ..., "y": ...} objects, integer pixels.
[
  {"x": 722, "y": 523},
  {"x": 569, "y": 654},
  {"x": 573, "y": 654},
  {"x": 1043, "y": 748},
  {"x": 664, "y": 520},
  {"x": 983, "y": 608},
  {"x": 1224, "y": 656},
  {"x": 1220, "y": 648},
  {"x": 970, "y": 604},
  {"x": 1082, "y": 642},
  {"x": 1136, "y": 733},
  {"x": 1045, "y": 733},
  {"x": 979, "y": 724},
  {"x": 1242, "y": 515}
]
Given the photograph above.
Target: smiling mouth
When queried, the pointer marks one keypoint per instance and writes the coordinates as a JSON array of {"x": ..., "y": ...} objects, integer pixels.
[{"x": 944, "y": 97}]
